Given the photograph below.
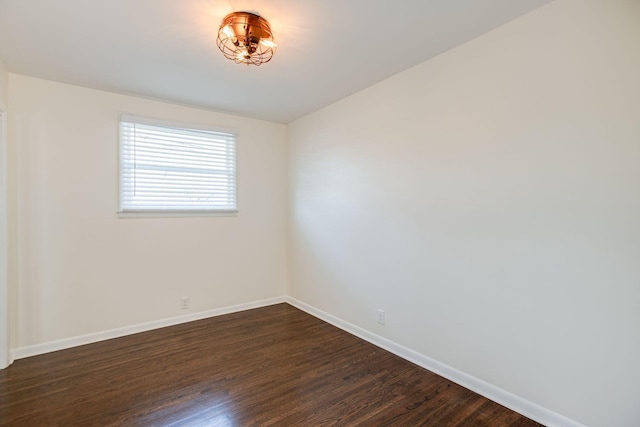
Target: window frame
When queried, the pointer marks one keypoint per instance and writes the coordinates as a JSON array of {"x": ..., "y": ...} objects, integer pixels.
[{"x": 193, "y": 212}]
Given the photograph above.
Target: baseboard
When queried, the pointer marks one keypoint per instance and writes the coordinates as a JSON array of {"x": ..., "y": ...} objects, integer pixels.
[
  {"x": 503, "y": 397},
  {"x": 34, "y": 350}
]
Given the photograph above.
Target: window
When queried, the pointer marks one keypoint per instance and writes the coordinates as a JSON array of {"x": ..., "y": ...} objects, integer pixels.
[{"x": 172, "y": 168}]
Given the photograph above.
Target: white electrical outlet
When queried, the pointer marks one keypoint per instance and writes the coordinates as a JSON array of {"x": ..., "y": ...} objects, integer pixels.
[
  {"x": 184, "y": 303},
  {"x": 381, "y": 316}
]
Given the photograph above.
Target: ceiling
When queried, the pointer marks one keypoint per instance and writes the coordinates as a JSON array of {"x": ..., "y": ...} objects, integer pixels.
[{"x": 166, "y": 49}]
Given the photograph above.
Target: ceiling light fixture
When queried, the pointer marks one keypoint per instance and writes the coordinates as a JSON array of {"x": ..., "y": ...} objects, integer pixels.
[{"x": 246, "y": 38}]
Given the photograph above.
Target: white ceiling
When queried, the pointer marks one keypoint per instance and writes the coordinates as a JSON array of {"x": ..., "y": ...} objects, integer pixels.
[{"x": 327, "y": 49}]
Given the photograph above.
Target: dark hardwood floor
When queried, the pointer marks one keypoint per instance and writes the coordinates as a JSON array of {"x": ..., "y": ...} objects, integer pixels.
[{"x": 273, "y": 366}]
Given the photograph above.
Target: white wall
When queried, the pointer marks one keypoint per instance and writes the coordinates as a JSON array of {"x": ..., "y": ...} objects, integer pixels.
[
  {"x": 4, "y": 84},
  {"x": 4, "y": 239},
  {"x": 489, "y": 201},
  {"x": 83, "y": 270}
]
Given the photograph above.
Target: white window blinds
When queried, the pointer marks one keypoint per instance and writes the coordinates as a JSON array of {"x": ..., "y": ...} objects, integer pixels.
[{"x": 166, "y": 167}]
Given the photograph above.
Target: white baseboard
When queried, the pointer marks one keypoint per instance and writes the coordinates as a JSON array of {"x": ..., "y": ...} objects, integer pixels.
[
  {"x": 503, "y": 397},
  {"x": 33, "y": 350}
]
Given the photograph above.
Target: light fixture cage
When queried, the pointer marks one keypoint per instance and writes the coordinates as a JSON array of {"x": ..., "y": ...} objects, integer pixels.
[{"x": 246, "y": 38}]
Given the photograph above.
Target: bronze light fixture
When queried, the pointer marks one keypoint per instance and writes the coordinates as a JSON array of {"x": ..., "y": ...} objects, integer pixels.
[{"x": 246, "y": 38}]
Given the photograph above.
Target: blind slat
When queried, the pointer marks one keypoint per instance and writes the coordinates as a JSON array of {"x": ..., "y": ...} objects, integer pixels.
[{"x": 176, "y": 168}]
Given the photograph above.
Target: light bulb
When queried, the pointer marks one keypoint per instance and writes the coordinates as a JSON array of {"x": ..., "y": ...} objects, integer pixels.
[
  {"x": 267, "y": 43},
  {"x": 242, "y": 54},
  {"x": 228, "y": 31}
]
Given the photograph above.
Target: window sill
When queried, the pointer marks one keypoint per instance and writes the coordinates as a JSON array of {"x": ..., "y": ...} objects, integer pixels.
[{"x": 175, "y": 214}]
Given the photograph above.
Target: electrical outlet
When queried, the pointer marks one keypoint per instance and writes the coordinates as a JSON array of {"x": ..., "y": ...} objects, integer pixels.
[
  {"x": 184, "y": 303},
  {"x": 381, "y": 316}
]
